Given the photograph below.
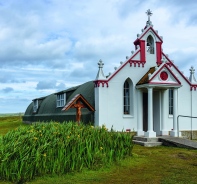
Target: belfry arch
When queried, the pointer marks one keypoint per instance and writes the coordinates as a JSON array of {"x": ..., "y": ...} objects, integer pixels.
[{"x": 150, "y": 45}]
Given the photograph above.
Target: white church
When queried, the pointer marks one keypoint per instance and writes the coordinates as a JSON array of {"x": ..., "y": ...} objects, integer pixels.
[{"x": 147, "y": 93}]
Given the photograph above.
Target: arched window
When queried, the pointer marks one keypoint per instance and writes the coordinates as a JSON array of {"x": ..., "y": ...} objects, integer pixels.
[
  {"x": 126, "y": 92},
  {"x": 150, "y": 45}
]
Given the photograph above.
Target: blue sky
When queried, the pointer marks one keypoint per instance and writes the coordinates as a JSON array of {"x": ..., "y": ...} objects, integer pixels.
[{"x": 51, "y": 45}]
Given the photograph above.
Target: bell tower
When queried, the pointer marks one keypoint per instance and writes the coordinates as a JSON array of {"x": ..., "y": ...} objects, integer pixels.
[{"x": 150, "y": 43}]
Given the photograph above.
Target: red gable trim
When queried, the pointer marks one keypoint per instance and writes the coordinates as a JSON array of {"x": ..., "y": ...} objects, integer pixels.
[
  {"x": 173, "y": 84},
  {"x": 136, "y": 42},
  {"x": 98, "y": 82},
  {"x": 164, "y": 66},
  {"x": 192, "y": 86},
  {"x": 172, "y": 64},
  {"x": 130, "y": 61}
]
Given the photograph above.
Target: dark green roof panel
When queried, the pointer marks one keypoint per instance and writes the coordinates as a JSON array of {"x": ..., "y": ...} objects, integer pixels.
[{"x": 47, "y": 106}]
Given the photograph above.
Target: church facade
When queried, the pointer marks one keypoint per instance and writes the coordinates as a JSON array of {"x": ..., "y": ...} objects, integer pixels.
[{"x": 147, "y": 94}]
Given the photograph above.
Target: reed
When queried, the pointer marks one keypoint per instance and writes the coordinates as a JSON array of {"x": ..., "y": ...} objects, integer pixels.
[{"x": 54, "y": 148}]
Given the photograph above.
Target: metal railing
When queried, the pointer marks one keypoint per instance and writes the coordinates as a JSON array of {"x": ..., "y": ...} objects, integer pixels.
[{"x": 185, "y": 117}]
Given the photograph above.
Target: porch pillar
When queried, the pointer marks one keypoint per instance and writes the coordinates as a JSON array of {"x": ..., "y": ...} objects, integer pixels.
[
  {"x": 150, "y": 132},
  {"x": 164, "y": 113},
  {"x": 174, "y": 132},
  {"x": 140, "y": 131}
]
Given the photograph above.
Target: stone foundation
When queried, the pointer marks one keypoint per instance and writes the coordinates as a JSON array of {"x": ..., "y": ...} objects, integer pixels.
[{"x": 189, "y": 134}]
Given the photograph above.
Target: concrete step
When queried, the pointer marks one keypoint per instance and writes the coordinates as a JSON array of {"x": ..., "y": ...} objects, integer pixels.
[
  {"x": 178, "y": 142},
  {"x": 146, "y": 139},
  {"x": 147, "y": 144}
]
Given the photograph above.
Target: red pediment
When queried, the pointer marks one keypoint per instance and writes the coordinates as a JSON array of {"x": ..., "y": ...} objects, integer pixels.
[{"x": 161, "y": 75}]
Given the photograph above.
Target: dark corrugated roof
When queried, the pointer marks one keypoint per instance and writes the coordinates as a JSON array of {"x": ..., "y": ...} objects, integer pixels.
[
  {"x": 87, "y": 90},
  {"x": 69, "y": 89},
  {"x": 48, "y": 104},
  {"x": 41, "y": 98},
  {"x": 144, "y": 79}
]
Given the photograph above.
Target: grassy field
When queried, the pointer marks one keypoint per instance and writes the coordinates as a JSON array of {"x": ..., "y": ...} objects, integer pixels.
[
  {"x": 9, "y": 123},
  {"x": 162, "y": 165}
]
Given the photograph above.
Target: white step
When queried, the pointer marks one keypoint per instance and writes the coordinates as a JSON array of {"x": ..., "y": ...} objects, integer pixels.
[{"x": 147, "y": 144}]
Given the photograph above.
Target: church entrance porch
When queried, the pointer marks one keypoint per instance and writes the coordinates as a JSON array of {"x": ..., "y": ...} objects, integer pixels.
[{"x": 153, "y": 107}]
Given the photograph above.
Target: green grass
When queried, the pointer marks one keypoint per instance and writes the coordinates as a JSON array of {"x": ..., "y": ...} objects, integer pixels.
[
  {"x": 157, "y": 165},
  {"x": 8, "y": 123},
  {"x": 54, "y": 148}
]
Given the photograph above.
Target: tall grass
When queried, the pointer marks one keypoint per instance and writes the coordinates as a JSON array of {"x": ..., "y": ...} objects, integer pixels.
[{"x": 54, "y": 148}]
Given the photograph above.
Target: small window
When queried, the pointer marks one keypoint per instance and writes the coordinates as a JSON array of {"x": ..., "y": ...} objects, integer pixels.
[
  {"x": 170, "y": 101},
  {"x": 35, "y": 105},
  {"x": 126, "y": 97},
  {"x": 61, "y": 99}
]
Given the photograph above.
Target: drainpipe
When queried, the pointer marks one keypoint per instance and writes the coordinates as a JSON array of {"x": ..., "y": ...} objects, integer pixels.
[{"x": 191, "y": 115}]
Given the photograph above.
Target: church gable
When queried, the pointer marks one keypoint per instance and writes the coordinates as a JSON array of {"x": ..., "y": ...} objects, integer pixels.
[
  {"x": 191, "y": 81},
  {"x": 159, "y": 76},
  {"x": 149, "y": 31},
  {"x": 148, "y": 52},
  {"x": 163, "y": 75}
]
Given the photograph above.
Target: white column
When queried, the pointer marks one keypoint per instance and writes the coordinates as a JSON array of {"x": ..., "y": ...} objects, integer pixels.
[
  {"x": 150, "y": 132},
  {"x": 174, "y": 132},
  {"x": 140, "y": 131},
  {"x": 164, "y": 113}
]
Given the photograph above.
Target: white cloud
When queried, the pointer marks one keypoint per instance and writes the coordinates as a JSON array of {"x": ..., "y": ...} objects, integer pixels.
[{"x": 62, "y": 41}]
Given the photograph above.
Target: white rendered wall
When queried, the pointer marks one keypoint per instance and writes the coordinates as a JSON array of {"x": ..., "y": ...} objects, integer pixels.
[
  {"x": 185, "y": 102},
  {"x": 109, "y": 101},
  {"x": 113, "y": 115},
  {"x": 101, "y": 105},
  {"x": 194, "y": 109}
]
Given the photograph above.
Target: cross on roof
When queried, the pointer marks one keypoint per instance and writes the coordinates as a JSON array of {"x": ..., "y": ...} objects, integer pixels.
[
  {"x": 149, "y": 13},
  {"x": 192, "y": 70},
  {"x": 100, "y": 63}
]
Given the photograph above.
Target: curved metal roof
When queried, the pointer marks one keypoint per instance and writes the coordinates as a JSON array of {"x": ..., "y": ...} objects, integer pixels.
[{"x": 47, "y": 105}]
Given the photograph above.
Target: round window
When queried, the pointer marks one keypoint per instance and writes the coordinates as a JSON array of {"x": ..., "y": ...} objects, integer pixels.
[{"x": 164, "y": 76}]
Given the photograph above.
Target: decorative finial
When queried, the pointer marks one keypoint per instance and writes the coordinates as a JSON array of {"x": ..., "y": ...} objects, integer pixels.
[
  {"x": 149, "y": 13},
  {"x": 192, "y": 70},
  {"x": 192, "y": 78},
  {"x": 100, "y": 63},
  {"x": 100, "y": 74}
]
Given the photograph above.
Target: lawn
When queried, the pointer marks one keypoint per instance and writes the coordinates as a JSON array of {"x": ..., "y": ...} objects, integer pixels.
[
  {"x": 165, "y": 165},
  {"x": 162, "y": 165},
  {"x": 9, "y": 123}
]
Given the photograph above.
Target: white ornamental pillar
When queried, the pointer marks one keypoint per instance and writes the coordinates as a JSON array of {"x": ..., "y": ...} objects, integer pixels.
[
  {"x": 174, "y": 132},
  {"x": 140, "y": 131},
  {"x": 164, "y": 112},
  {"x": 150, "y": 132}
]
